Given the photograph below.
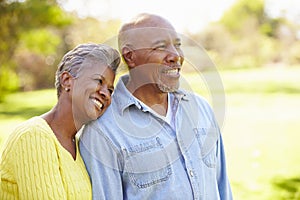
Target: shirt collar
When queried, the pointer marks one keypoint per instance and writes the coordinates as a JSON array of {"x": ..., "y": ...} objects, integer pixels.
[{"x": 124, "y": 99}]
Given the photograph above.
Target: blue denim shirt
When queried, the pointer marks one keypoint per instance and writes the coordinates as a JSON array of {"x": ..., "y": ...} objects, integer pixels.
[{"x": 132, "y": 153}]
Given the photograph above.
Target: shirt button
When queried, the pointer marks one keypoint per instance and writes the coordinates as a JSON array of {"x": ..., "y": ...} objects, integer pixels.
[{"x": 191, "y": 173}]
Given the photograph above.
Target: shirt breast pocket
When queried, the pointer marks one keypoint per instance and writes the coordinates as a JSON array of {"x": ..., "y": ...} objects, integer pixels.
[
  {"x": 147, "y": 164},
  {"x": 207, "y": 139}
]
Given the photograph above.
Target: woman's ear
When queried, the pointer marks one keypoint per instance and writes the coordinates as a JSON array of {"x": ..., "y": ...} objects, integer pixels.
[
  {"x": 128, "y": 55},
  {"x": 66, "y": 80}
]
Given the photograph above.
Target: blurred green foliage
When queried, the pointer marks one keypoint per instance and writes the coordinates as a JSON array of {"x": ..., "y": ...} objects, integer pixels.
[
  {"x": 235, "y": 18},
  {"x": 18, "y": 19},
  {"x": 40, "y": 41},
  {"x": 35, "y": 35},
  {"x": 246, "y": 37}
]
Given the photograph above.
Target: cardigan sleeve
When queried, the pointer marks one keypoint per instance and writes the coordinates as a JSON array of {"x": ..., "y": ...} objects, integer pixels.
[{"x": 37, "y": 168}]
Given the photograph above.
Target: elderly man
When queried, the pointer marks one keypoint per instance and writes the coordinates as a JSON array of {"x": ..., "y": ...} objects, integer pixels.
[{"x": 155, "y": 141}]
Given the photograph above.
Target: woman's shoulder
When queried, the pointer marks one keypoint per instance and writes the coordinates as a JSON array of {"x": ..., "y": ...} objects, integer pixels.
[
  {"x": 33, "y": 124},
  {"x": 33, "y": 127}
]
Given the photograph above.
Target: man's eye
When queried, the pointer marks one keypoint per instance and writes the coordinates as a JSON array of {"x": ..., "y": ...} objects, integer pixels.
[
  {"x": 178, "y": 45},
  {"x": 160, "y": 47}
]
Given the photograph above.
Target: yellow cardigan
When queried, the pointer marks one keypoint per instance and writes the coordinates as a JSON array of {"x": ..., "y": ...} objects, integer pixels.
[{"x": 34, "y": 165}]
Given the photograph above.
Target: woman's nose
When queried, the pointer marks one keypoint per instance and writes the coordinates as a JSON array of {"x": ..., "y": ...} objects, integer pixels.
[{"x": 104, "y": 92}]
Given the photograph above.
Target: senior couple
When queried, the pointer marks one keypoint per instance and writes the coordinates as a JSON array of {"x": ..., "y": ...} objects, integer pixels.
[{"x": 144, "y": 139}]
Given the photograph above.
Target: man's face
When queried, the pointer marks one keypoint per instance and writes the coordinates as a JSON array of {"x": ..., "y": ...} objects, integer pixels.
[{"x": 157, "y": 57}]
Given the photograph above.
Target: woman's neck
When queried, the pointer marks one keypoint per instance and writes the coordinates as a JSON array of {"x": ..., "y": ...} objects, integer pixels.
[{"x": 61, "y": 121}]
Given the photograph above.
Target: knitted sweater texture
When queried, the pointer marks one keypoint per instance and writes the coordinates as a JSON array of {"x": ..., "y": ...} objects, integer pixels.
[{"x": 34, "y": 165}]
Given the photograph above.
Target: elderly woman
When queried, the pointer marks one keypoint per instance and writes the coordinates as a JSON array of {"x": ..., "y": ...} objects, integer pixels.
[{"x": 41, "y": 159}]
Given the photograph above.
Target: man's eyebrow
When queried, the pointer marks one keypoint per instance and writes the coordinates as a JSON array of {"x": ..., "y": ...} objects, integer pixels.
[
  {"x": 99, "y": 75},
  {"x": 159, "y": 42},
  {"x": 164, "y": 41}
]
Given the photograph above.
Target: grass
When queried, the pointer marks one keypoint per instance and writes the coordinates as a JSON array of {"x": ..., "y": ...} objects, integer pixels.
[
  {"x": 261, "y": 136},
  {"x": 260, "y": 129},
  {"x": 21, "y": 106}
]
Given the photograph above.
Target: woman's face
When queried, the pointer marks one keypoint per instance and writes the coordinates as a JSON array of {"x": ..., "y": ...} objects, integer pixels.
[{"x": 92, "y": 90}]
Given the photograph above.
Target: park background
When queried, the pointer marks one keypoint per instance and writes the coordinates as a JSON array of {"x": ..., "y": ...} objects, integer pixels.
[{"x": 253, "y": 47}]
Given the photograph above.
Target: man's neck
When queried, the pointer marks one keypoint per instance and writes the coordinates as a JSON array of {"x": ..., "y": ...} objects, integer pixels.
[{"x": 152, "y": 97}]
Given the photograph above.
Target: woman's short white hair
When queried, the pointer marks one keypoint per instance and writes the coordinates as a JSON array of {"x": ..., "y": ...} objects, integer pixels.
[{"x": 72, "y": 60}]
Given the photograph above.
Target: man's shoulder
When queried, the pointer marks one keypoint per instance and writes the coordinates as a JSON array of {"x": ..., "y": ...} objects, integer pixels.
[
  {"x": 105, "y": 123},
  {"x": 103, "y": 120}
]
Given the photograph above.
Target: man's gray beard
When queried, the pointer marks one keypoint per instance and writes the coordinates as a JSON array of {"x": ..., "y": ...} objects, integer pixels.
[{"x": 165, "y": 88}]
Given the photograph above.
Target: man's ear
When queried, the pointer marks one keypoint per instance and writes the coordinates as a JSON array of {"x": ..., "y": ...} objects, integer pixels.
[
  {"x": 128, "y": 55},
  {"x": 66, "y": 80}
]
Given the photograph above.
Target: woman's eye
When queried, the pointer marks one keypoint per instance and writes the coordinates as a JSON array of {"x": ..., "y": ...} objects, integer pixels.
[
  {"x": 110, "y": 91},
  {"x": 100, "y": 81}
]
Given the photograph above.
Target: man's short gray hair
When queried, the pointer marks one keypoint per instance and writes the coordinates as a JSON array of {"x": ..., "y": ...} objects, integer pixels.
[{"x": 72, "y": 60}]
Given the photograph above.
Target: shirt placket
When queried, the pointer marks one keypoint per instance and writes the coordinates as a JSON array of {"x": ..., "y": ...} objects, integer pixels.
[{"x": 185, "y": 140}]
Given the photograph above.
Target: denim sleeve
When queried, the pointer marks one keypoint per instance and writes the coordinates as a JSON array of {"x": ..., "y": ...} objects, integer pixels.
[
  {"x": 102, "y": 164},
  {"x": 223, "y": 181}
]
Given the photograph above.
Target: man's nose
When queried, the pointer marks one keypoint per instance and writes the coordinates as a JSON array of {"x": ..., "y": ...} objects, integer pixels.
[{"x": 175, "y": 56}]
